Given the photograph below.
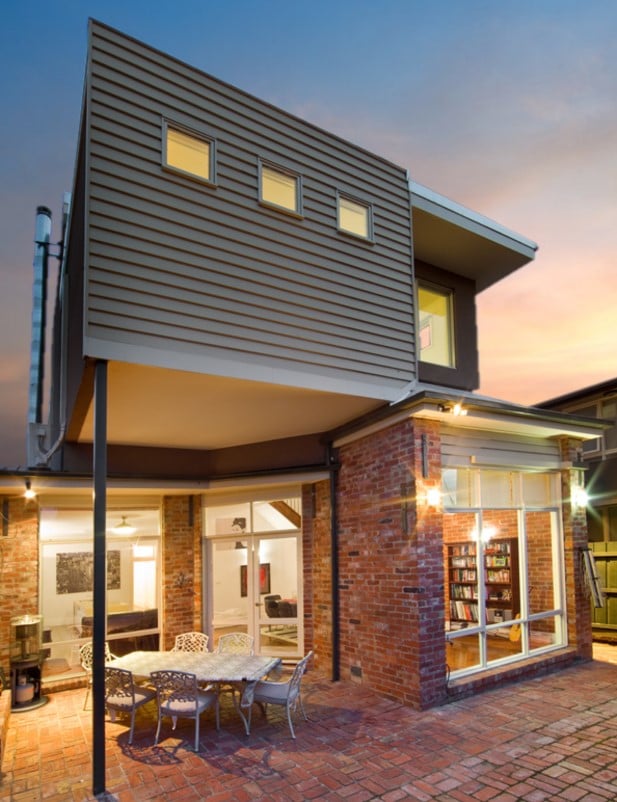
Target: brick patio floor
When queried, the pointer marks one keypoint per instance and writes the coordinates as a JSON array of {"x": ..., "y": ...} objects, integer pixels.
[{"x": 553, "y": 738}]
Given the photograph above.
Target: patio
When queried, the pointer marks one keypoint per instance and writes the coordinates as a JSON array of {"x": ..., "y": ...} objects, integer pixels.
[{"x": 553, "y": 738}]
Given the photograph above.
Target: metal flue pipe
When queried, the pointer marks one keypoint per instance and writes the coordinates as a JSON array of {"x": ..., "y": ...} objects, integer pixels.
[{"x": 39, "y": 302}]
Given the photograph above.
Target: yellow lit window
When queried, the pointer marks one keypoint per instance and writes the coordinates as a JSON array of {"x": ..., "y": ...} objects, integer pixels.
[
  {"x": 189, "y": 153},
  {"x": 436, "y": 327},
  {"x": 280, "y": 188},
  {"x": 354, "y": 217}
]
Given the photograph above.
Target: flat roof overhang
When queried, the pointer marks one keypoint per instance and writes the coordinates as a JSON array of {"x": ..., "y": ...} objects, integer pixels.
[
  {"x": 480, "y": 413},
  {"x": 454, "y": 238}
]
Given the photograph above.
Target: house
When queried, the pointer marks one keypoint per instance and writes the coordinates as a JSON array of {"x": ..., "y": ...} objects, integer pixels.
[
  {"x": 264, "y": 363},
  {"x": 599, "y": 457}
]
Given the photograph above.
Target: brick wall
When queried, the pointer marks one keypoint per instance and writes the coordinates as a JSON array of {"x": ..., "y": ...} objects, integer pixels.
[
  {"x": 391, "y": 564},
  {"x": 317, "y": 571},
  {"x": 575, "y": 539},
  {"x": 181, "y": 567},
  {"x": 19, "y": 570}
]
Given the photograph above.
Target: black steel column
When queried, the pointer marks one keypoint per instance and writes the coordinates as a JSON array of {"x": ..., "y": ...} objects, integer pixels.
[
  {"x": 99, "y": 481},
  {"x": 334, "y": 561}
]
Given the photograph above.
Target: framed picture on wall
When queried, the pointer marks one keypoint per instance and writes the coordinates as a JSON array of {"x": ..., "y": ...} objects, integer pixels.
[{"x": 264, "y": 579}]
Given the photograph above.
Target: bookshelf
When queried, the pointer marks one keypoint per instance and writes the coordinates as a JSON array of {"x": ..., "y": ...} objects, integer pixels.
[{"x": 500, "y": 572}]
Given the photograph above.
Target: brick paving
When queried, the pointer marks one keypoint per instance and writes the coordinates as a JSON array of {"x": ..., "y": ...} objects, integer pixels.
[{"x": 553, "y": 738}]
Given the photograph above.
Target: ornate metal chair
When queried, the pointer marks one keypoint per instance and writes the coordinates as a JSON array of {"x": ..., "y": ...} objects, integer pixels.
[
  {"x": 86, "y": 659},
  {"x": 123, "y": 695},
  {"x": 235, "y": 643},
  {"x": 191, "y": 642},
  {"x": 178, "y": 696},
  {"x": 286, "y": 694}
]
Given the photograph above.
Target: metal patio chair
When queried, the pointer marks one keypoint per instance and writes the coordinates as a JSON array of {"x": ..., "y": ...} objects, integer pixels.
[
  {"x": 123, "y": 695},
  {"x": 86, "y": 660},
  {"x": 191, "y": 642},
  {"x": 286, "y": 694},
  {"x": 178, "y": 695}
]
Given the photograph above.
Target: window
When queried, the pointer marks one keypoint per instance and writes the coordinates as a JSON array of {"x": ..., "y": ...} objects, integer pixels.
[
  {"x": 66, "y": 590},
  {"x": 503, "y": 566},
  {"x": 436, "y": 326},
  {"x": 188, "y": 152},
  {"x": 280, "y": 188},
  {"x": 354, "y": 217},
  {"x": 605, "y": 409}
]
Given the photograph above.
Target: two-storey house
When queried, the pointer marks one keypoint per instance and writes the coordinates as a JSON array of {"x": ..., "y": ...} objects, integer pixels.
[{"x": 264, "y": 361}]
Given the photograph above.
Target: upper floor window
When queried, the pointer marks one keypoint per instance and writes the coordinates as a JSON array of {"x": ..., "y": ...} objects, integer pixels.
[
  {"x": 354, "y": 217},
  {"x": 605, "y": 409},
  {"x": 279, "y": 187},
  {"x": 188, "y": 152},
  {"x": 436, "y": 326}
]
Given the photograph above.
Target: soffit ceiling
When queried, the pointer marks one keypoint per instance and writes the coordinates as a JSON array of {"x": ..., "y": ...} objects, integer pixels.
[{"x": 162, "y": 408}]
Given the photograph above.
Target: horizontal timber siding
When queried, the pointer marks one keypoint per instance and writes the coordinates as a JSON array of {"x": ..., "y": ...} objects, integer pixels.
[
  {"x": 461, "y": 448},
  {"x": 177, "y": 266}
]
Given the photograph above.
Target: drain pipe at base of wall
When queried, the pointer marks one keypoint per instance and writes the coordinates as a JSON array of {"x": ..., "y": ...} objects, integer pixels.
[{"x": 333, "y": 467}]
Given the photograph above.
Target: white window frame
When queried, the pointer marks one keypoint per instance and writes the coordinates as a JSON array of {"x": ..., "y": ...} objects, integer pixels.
[
  {"x": 264, "y": 164},
  {"x": 366, "y": 205},
  {"x": 199, "y": 136}
]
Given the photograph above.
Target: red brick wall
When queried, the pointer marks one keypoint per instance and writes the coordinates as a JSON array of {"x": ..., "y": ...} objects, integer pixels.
[
  {"x": 181, "y": 567},
  {"x": 317, "y": 555},
  {"x": 391, "y": 565},
  {"x": 19, "y": 570},
  {"x": 575, "y": 539}
]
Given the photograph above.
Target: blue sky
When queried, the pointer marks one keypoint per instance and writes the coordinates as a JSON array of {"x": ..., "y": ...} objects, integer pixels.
[{"x": 508, "y": 107}]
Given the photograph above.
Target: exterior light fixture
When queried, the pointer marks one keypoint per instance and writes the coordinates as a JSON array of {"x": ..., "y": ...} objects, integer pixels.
[
  {"x": 433, "y": 497},
  {"x": 124, "y": 528},
  {"x": 580, "y": 497},
  {"x": 29, "y": 493},
  {"x": 457, "y": 409}
]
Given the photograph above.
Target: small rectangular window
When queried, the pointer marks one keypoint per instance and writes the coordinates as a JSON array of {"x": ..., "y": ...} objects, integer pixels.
[
  {"x": 436, "y": 327},
  {"x": 354, "y": 217},
  {"x": 188, "y": 152},
  {"x": 280, "y": 188}
]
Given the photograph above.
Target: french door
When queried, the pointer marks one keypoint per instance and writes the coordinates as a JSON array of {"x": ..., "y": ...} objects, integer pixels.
[{"x": 255, "y": 582}]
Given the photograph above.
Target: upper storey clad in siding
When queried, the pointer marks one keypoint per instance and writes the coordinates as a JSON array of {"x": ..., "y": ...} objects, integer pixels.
[{"x": 203, "y": 277}]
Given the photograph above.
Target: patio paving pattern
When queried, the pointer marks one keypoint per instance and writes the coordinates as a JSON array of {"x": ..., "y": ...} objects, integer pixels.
[{"x": 553, "y": 738}]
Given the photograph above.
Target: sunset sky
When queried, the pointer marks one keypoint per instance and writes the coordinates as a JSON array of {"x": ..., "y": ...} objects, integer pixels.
[{"x": 508, "y": 107}]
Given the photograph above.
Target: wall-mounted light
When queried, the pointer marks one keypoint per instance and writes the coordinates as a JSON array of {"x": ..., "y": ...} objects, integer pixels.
[
  {"x": 486, "y": 534},
  {"x": 433, "y": 497},
  {"x": 29, "y": 493},
  {"x": 580, "y": 497},
  {"x": 453, "y": 409}
]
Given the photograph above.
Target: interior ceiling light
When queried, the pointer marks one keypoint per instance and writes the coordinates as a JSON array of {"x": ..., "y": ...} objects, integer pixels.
[
  {"x": 124, "y": 528},
  {"x": 29, "y": 492}
]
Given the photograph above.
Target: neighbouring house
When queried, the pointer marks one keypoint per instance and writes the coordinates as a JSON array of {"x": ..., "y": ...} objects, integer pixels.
[
  {"x": 264, "y": 361},
  {"x": 599, "y": 457}
]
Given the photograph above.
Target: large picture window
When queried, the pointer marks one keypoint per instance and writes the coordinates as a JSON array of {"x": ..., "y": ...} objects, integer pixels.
[
  {"x": 66, "y": 595},
  {"x": 503, "y": 567}
]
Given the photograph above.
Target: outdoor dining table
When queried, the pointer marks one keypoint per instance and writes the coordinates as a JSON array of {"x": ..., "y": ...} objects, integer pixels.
[{"x": 208, "y": 667}]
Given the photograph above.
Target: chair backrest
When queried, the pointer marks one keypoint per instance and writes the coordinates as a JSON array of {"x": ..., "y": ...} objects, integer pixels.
[
  {"x": 235, "y": 643},
  {"x": 272, "y": 605},
  {"x": 177, "y": 686},
  {"x": 119, "y": 685},
  {"x": 86, "y": 656},
  {"x": 296, "y": 677},
  {"x": 191, "y": 642}
]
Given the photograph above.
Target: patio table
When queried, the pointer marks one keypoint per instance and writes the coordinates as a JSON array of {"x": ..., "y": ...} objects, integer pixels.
[{"x": 208, "y": 667}]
